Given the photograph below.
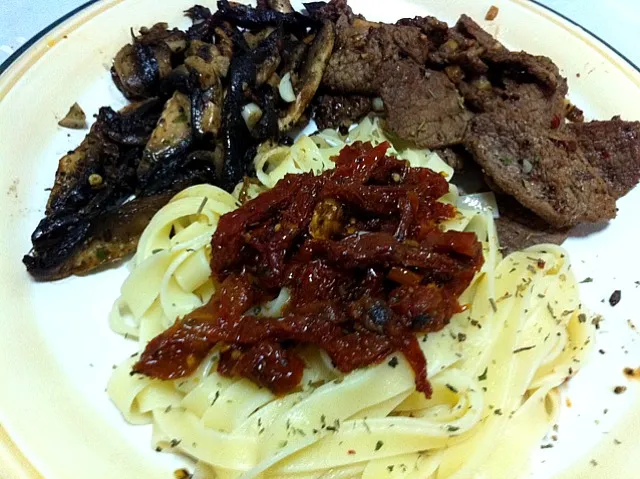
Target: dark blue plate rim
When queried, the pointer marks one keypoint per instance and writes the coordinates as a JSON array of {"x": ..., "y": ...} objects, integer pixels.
[
  {"x": 25, "y": 46},
  {"x": 20, "y": 51}
]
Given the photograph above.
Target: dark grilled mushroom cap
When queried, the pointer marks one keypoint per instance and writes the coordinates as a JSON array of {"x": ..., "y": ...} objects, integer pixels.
[
  {"x": 91, "y": 242},
  {"x": 107, "y": 156},
  {"x": 138, "y": 69},
  {"x": 230, "y": 40}
]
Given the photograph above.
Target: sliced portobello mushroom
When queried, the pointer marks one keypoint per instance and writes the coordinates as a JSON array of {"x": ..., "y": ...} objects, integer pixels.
[
  {"x": 282, "y": 6},
  {"x": 181, "y": 172},
  {"x": 178, "y": 80},
  {"x": 268, "y": 67},
  {"x": 209, "y": 54},
  {"x": 138, "y": 69},
  {"x": 312, "y": 71},
  {"x": 171, "y": 136},
  {"x": 248, "y": 17},
  {"x": 203, "y": 23},
  {"x": 175, "y": 39},
  {"x": 242, "y": 79},
  {"x": 230, "y": 40},
  {"x": 107, "y": 156},
  {"x": 207, "y": 94},
  {"x": 206, "y": 112},
  {"x": 89, "y": 242},
  {"x": 254, "y": 39},
  {"x": 133, "y": 124}
]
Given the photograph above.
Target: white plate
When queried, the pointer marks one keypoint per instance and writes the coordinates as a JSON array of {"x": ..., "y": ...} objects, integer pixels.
[{"x": 56, "y": 346}]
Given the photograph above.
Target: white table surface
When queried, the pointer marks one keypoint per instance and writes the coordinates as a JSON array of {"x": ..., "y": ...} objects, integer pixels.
[{"x": 615, "y": 21}]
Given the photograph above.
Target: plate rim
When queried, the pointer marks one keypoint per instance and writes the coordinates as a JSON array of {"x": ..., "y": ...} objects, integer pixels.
[
  {"x": 73, "y": 19},
  {"x": 15, "y": 56},
  {"x": 23, "y": 49}
]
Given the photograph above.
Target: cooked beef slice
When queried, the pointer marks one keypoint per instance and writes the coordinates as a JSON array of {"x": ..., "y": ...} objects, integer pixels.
[
  {"x": 435, "y": 30},
  {"x": 423, "y": 107},
  {"x": 364, "y": 48},
  {"x": 332, "y": 10},
  {"x": 464, "y": 46},
  {"x": 470, "y": 29},
  {"x": 526, "y": 68},
  {"x": 340, "y": 111},
  {"x": 390, "y": 60},
  {"x": 541, "y": 168},
  {"x": 612, "y": 148},
  {"x": 516, "y": 235},
  {"x": 519, "y": 228},
  {"x": 456, "y": 157},
  {"x": 534, "y": 86}
]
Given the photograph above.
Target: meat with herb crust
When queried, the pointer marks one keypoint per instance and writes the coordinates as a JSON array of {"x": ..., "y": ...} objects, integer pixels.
[
  {"x": 423, "y": 106},
  {"x": 613, "y": 148},
  {"x": 541, "y": 168}
]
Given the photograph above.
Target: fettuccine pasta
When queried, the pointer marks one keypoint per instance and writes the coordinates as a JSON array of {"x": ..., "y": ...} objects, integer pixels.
[{"x": 495, "y": 368}]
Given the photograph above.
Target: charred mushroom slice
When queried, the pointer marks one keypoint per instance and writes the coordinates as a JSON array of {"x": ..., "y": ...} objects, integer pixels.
[
  {"x": 115, "y": 140},
  {"x": 242, "y": 79},
  {"x": 138, "y": 69},
  {"x": 267, "y": 124},
  {"x": 175, "y": 39},
  {"x": 208, "y": 96},
  {"x": 133, "y": 124},
  {"x": 172, "y": 135},
  {"x": 180, "y": 172},
  {"x": 205, "y": 70},
  {"x": 208, "y": 54},
  {"x": 282, "y": 6},
  {"x": 268, "y": 67},
  {"x": 203, "y": 23},
  {"x": 75, "y": 118},
  {"x": 88, "y": 242},
  {"x": 248, "y": 17},
  {"x": 206, "y": 111},
  {"x": 316, "y": 62},
  {"x": 254, "y": 39},
  {"x": 230, "y": 40}
]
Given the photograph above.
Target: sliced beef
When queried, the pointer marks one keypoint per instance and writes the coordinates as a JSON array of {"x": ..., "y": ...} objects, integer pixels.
[
  {"x": 526, "y": 68},
  {"x": 435, "y": 30},
  {"x": 470, "y": 29},
  {"x": 612, "y": 148},
  {"x": 423, "y": 107},
  {"x": 456, "y": 157},
  {"x": 340, "y": 111},
  {"x": 465, "y": 45},
  {"x": 332, "y": 10},
  {"x": 541, "y": 168},
  {"x": 534, "y": 87},
  {"x": 364, "y": 48},
  {"x": 519, "y": 228}
]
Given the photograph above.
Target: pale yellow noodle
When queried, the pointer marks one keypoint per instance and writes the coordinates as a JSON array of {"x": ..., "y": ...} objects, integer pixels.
[{"x": 495, "y": 368}]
